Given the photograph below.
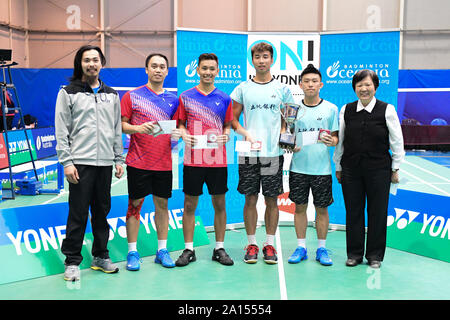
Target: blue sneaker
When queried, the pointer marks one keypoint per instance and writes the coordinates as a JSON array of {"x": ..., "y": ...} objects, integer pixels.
[
  {"x": 163, "y": 257},
  {"x": 298, "y": 255},
  {"x": 133, "y": 261},
  {"x": 322, "y": 257}
]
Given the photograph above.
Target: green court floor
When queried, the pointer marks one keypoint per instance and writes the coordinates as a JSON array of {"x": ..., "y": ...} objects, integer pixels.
[{"x": 403, "y": 276}]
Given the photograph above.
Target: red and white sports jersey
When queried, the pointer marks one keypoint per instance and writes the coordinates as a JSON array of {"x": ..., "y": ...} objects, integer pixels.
[
  {"x": 205, "y": 115},
  {"x": 143, "y": 105}
]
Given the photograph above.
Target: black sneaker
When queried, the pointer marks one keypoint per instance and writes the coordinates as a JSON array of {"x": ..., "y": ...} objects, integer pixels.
[
  {"x": 222, "y": 257},
  {"x": 251, "y": 255},
  {"x": 270, "y": 254},
  {"x": 185, "y": 258}
]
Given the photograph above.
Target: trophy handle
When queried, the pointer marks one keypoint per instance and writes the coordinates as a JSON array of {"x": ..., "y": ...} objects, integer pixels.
[{"x": 301, "y": 112}]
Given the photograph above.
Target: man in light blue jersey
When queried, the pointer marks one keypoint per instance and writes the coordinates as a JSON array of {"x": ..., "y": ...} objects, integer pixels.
[
  {"x": 311, "y": 164},
  {"x": 260, "y": 99}
]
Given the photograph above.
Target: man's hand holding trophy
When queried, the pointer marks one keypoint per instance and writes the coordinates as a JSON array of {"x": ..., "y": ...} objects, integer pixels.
[{"x": 290, "y": 113}]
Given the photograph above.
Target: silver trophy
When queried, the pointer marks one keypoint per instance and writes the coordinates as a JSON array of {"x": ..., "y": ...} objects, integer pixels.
[{"x": 290, "y": 113}]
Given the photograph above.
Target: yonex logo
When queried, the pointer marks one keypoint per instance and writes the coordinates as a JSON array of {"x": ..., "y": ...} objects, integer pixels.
[
  {"x": 46, "y": 238},
  {"x": 433, "y": 225},
  {"x": 401, "y": 219},
  {"x": 118, "y": 224}
]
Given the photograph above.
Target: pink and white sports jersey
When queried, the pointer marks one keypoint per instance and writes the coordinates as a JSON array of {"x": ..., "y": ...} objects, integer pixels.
[
  {"x": 205, "y": 115},
  {"x": 143, "y": 105}
]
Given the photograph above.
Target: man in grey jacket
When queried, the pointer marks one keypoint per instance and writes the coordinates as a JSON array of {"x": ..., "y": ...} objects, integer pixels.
[{"x": 89, "y": 142}]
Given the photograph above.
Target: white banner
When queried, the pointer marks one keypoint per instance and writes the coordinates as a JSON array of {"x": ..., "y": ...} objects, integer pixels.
[{"x": 291, "y": 54}]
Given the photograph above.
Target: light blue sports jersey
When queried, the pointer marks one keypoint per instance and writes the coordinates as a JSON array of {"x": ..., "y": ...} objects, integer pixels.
[
  {"x": 314, "y": 159},
  {"x": 262, "y": 117}
]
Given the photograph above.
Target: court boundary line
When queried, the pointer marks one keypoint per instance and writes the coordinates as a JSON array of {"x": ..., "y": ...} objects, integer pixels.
[
  {"x": 66, "y": 191},
  {"x": 281, "y": 276},
  {"x": 425, "y": 170},
  {"x": 424, "y": 182}
]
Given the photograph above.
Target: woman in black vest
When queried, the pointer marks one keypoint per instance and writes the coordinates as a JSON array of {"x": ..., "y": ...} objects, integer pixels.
[{"x": 368, "y": 129}]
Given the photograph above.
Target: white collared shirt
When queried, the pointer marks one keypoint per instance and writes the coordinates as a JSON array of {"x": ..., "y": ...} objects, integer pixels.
[{"x": 394, "y": 128}]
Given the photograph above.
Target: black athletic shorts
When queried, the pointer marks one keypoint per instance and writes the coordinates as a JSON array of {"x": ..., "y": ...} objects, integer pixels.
[
  {"x": 214, "y": 177},
  {"x": 321, "y": 188},
  {"x": 255, "y": 172},
  {"x": 141, "y": 183}
]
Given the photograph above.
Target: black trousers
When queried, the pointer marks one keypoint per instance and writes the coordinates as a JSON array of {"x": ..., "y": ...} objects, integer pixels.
[
  {"x": 93, "y": 190},
  {"x": 358, "y": 184}
]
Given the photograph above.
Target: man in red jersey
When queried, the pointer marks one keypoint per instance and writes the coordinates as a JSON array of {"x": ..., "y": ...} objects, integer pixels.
[
  {"x": 149, "y": 161},
  {"x": 205, "y": 115}
]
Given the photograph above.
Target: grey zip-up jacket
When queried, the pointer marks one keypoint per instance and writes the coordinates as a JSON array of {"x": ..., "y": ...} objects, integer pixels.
[{"x": 88, "y": 126}]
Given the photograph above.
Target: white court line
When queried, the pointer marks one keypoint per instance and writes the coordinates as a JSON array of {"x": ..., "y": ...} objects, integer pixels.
[
  {"x": 424, "y": 182},
  {"x": 434, "y": 183},
  {"x": 427, "y": 171},
  {"x": 283, "y": 292},
  {"x": 54, "y": 198},
  {"x": 64, "y": 192},
  {"x": 423, "y": 89}
]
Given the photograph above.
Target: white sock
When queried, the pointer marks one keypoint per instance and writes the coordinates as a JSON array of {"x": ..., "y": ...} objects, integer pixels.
[
  {"x": 132, "y": 246},
  {"x": 219, "y": 245},
  {"x": 251, "y": 239},
  {"x": 270, "y": 239},
  {"x": 189, "y": 245},
  {"x": 322, "y": 243},
  {"x": 301, "y": 243},
  {"x": 162, "y": 244}
]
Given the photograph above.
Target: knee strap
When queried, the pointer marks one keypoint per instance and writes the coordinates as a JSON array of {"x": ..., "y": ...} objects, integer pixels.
[{"x": 134, "y": 211}]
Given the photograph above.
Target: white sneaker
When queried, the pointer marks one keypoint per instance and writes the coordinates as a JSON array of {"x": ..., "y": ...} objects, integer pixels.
[{"x": 72, "y": 273}]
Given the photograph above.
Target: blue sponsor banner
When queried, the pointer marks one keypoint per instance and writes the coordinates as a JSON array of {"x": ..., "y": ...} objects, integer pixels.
[
  {"x": 19, "y": 219},
  {"x": 123, "y": 80},
  {"x": 230, "y": 48},
  {"x": 45, "y": 142},
  {"x": 30, "y": 240},
  {"x": 39, "y": 100},
  {"x": 341, "y": 56},
  {"x": 408, "y": 206},
  {"x": 419, "y": 223},
  {"x": 19, "y": 149}
]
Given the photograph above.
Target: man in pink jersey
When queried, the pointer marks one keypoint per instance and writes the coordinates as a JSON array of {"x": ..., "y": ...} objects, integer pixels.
[
  {"x": 149, "y": 161},
  {"x": 205, "y": 114}
]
